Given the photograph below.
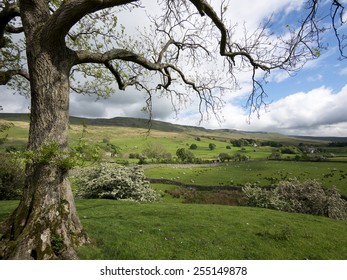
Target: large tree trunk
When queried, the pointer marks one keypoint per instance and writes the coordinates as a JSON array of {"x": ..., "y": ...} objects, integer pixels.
[{"x": 45, "y": 225}]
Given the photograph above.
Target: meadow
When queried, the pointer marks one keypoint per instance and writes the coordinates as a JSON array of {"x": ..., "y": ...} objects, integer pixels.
[
  {"x": 169, "y": 229},
  {"x": 263, "y": 173},
  {"x": 174, "y": 229}
]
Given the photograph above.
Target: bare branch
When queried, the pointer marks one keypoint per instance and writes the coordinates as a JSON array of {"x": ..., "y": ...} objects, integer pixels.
[
  {"x": 6, "y": 76},
  {"x": 337, "y": 12},
  {"x": 70, "y": 12},
  {"x": 9, "y": 12},
  {"x": 13, "y": 29}
]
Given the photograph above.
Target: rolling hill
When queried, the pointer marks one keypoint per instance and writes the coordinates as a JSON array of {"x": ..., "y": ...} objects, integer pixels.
[{"x": 192, "y": 130}]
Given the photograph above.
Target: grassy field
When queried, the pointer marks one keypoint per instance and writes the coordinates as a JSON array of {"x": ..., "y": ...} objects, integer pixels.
[
  {"x": 170, "y": 229},
  {"x": 135, "y": 139},
  {"x": 263, "y": 173},
  {"x": 173, "y": 229}
]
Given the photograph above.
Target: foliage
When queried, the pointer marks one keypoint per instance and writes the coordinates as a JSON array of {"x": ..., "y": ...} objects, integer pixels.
[
  {"x": 11, "y": 177},
  {"x": 79, "y": 46},
  {"x": 289, "y": 150},
  {"x": 135, "y": 155},
  {"x": 112, "y": 149},
  {"x": 260, "y": 197},
  {"x": 84, "y": 152},
  {"x": 301, "y": 197},
  {"x": 337, "y": 144},
  {"x": 4, "y": 127},
  {"x": 240, "y": 157},
  {"x": 193, "y": 147},
  {"x": 51, "y": 154},
  {"x": 57, "y": 244},
  {"x": 275, "y": 156},
  {"x": 114, "y": 182},
  {"x": 243, "y": 142},
  {"x": 185, "y": 155},
  {"x": 224, "y": 157},
  {"x": 156, "y": 151},
  {"x": 211, "y": 146}
]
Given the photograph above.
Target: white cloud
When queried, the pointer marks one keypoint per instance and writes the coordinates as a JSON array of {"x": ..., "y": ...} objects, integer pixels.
[
  {"x": 13, "y": 102},
  {"x": 124, "y": 104},
  {"x": 319, "y": 112},
  {"x": 279, "y": 76},
  {"x": 315, "y": 78},
  {"x": 254, "y": 12}
]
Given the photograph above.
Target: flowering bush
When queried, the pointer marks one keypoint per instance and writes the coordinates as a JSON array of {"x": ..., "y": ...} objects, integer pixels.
[
  {"x": 114, "y": 182},
  {"x": 301, "y": 197}
]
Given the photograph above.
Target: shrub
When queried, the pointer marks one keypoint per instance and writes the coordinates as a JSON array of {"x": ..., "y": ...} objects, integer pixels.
[
  {"x": 114, "y": 182},
  {"x": 211, "y": 146},
  {"x": 290, "y": 150},
  {"x": 275, "y": 156},
  {"x": 239, "y": 157},
  {"x": 309, "y": 197},
  {"x": 12, "y": 177},
  {"x": 224, "y": 157},
  {"x": 301, "y": 197},
  {"x": 260, "y": 197},
  {"x": 156, "y": 151},
  {"x": 135, "y": 155},
  {"x": 193, "y": 147},
  {"x": 4, "y": 127},
  {"x": 185, "y": 155}
]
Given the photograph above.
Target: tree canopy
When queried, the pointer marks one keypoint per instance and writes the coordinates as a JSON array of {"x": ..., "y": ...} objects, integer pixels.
[{"x": 175, "y": 54}]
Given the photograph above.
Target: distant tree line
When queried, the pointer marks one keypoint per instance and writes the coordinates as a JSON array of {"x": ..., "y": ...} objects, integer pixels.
[{"x": 337, "y": 144}]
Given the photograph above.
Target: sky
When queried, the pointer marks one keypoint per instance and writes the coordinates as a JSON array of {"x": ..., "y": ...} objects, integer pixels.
[{"x": 312, "y": 102}]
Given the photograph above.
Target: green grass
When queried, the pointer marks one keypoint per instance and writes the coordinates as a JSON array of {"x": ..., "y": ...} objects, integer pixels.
[
  {"x": 172, "y": 230},
  {"x": 133, "y": 140},
  {"x": 264, "y": 173}
]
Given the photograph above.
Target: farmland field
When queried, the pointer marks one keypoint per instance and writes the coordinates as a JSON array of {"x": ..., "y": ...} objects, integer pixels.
[
  {"x": 174, "y": 229},
  {"x": 262, "y": 173}
]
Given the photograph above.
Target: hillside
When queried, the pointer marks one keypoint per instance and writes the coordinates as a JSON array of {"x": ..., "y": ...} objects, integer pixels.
[{"x": 218, "y": 134}]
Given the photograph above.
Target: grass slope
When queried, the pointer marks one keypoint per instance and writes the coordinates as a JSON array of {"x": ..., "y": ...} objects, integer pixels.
[
  {"x": 218, "y": 134},
  {"x": 172, "y": 230},
  {"x": 262, "y": 173}
]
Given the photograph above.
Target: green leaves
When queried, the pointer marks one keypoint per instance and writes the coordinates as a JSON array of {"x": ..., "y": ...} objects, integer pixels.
[
  {"x": 316, "y": 52},
  {"x": 52, "y": 154}
]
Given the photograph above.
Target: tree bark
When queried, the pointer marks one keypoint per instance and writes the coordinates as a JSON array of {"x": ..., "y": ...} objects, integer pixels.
[{"x": 45, "y": 225}]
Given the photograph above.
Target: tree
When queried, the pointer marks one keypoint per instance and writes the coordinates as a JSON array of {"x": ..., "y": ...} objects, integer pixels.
[
  {"x": 156, "y": 151},
  {"x": 69, "y": 45},
  {"x": 211, "y": 146},
  {"x": 224, "y": 157},
  {"x": 193, "y": 147},
  {"x": 184, "y": 155}
]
